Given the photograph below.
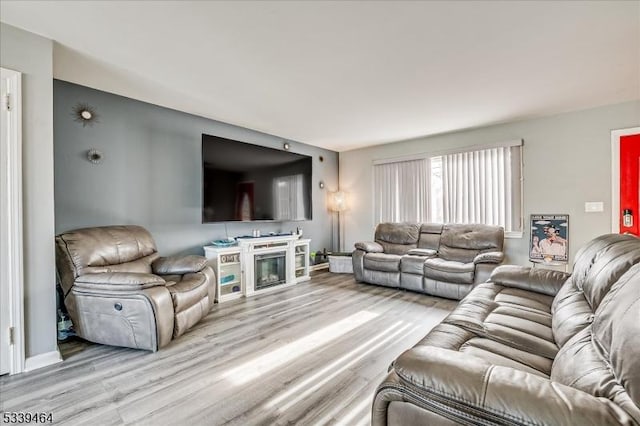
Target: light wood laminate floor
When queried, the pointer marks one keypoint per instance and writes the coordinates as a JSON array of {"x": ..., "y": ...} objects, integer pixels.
[{"x": 312, "y": 354}]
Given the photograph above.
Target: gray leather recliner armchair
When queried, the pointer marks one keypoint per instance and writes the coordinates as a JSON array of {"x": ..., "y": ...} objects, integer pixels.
[
  {"x": 530, "y": 347},
  {"x": 441, "y": 260},
  {"x": 120, "y": 292}
]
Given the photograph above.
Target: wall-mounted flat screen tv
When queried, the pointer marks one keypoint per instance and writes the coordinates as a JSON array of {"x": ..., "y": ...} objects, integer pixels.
[{"x": 247, "y": 182}]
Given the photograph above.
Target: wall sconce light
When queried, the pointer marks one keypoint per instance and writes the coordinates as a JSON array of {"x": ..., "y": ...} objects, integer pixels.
[
  {"x": 95, "y": 156},
  {"x": 85, "y": 114},
  {"x": 286, "y": 146}
]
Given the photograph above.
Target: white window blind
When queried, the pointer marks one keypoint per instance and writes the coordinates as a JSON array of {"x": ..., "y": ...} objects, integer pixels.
[
  {"x": 401, "y": 191},
  {"x": 288, "y": 197},
  {"x": 481, "y": 186}
]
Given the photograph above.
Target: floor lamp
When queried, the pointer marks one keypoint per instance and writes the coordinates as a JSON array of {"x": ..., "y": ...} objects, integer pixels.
[{"x": 339, "y": 204}]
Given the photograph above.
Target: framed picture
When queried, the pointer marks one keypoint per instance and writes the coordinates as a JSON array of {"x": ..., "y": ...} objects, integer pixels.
[{"x": 549, "y": 238}]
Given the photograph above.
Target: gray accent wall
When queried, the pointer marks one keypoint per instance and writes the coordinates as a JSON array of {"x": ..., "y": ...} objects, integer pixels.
[
  {"x": 567, "y": 162},
  {"x": 151, "y": 173},
  {"x": 32, "y": 56}
]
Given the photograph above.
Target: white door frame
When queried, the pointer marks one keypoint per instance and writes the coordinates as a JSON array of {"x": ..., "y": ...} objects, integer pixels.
[
  {"x": 615, "y": 174},
  {"x": 13, "y": 210}
]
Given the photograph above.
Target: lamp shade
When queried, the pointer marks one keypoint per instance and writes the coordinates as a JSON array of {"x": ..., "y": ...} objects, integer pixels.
[{"x": 338, "y": 201}]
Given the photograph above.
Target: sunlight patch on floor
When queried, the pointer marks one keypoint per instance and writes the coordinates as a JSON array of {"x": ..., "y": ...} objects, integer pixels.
[
  {"x": 302, "y": 394},
  {"x": 264, "y": 363},
  {"x": 327, "y": 369}
]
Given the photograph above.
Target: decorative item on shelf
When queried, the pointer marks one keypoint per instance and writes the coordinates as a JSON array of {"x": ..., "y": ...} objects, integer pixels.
[
  {"x": 286, "y": 146},
  {"x": 227, "y": 279},
  {"x": 95, "y": 156},
  {"x": 338, "y": 204},
  {"x": 228, "y": 242},
  {"x": 549, "y": 238},
  {"x": 230, "y": 258},
  {"x": 85, "y": 114}
]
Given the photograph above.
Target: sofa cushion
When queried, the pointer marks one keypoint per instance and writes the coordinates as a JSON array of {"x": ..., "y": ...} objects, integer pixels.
[
  {"x": 596, "y": 276},
  {"x": 430, "y": 235},
  {"x": 141, "y": 266},
  {"x": 397, "y": 238},
  {"x": 517, "y": 318},
  {"x": 449, "y": 270},
  {"x": 412, "y": 264},
  {"x": 382, "y": 262},
  {"x": 457, "y": 338},
  {"x": 598, "y": 266},
  {"x": 106, "y": 246},
  {"x": 571, "y": 313},
  {"x": 463, "y": 243},
  {"x": 616, "y": 328},
  {"x": 600, "y": 359}
]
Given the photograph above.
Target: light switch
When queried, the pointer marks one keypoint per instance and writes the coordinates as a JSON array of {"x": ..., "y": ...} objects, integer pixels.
[{"x": 593, "y": 206}]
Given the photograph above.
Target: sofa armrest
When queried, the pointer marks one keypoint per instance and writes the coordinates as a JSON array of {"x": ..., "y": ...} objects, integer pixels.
[
  {"x": 369, "y": 247},
  {"x": 543, "y": 281},
  {"x": 178, "y": 265},
  {"x": 422, "y": 252},
  {"x": 117, "y": 281},
  {"x": 489, "y": 257},
  {"x": 464, "y": 387}
]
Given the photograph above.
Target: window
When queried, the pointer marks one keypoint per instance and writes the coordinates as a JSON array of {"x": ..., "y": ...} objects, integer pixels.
[{"x": 475, "y": 186}]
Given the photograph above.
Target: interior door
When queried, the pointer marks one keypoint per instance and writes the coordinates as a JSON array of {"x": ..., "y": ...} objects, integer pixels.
[{"x": 629, "y": 208}]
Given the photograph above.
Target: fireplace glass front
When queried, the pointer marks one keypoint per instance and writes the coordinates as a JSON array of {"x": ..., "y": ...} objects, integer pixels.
[{"x": 270, "y": 269}]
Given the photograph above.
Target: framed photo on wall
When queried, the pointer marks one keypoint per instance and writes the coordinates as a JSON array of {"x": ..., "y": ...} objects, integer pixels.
[{"x": 549, "y": 238}]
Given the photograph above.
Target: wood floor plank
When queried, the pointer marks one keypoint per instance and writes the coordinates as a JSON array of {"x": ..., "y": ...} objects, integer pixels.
[{"x": 309, "y": 354}]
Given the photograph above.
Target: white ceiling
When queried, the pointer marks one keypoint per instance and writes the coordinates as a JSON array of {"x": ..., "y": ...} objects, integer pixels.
[{"x": 342, "y": 75}]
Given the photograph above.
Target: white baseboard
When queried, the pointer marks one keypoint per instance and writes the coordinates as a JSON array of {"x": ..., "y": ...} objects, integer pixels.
[{"x": 42, "y": 360}]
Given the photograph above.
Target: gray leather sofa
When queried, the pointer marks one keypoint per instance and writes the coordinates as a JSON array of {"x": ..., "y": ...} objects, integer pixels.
[
  {"x": 441, "y": 260},
  {"x": 120, "y": 292},
  {"x": 530, "y": 347}
]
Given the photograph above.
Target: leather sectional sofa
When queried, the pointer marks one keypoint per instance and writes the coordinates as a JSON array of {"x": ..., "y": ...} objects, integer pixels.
[
  {"x": 441, "y": 260},
  {"x": 530, "y": 347},
  {"x": 120, "y": 292}
]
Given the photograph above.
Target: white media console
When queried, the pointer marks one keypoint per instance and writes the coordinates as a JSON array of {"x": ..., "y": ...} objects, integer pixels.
[{"x": 258, "y": 264}]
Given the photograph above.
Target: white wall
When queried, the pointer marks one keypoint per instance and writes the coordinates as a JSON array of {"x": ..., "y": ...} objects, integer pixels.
[
  {"x": 32, "y": 55},
  {"x": 567, "y": 161}
]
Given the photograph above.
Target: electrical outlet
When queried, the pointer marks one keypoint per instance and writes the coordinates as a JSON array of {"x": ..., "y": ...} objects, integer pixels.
[{"x": 593, "y": 206}]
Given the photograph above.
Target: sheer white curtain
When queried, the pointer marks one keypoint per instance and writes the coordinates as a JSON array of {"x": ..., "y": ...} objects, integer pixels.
[
  {"x": 477, "y": 187},
  {"x": 401, "y": 191},
  {"x": 288, "y": 197}
]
